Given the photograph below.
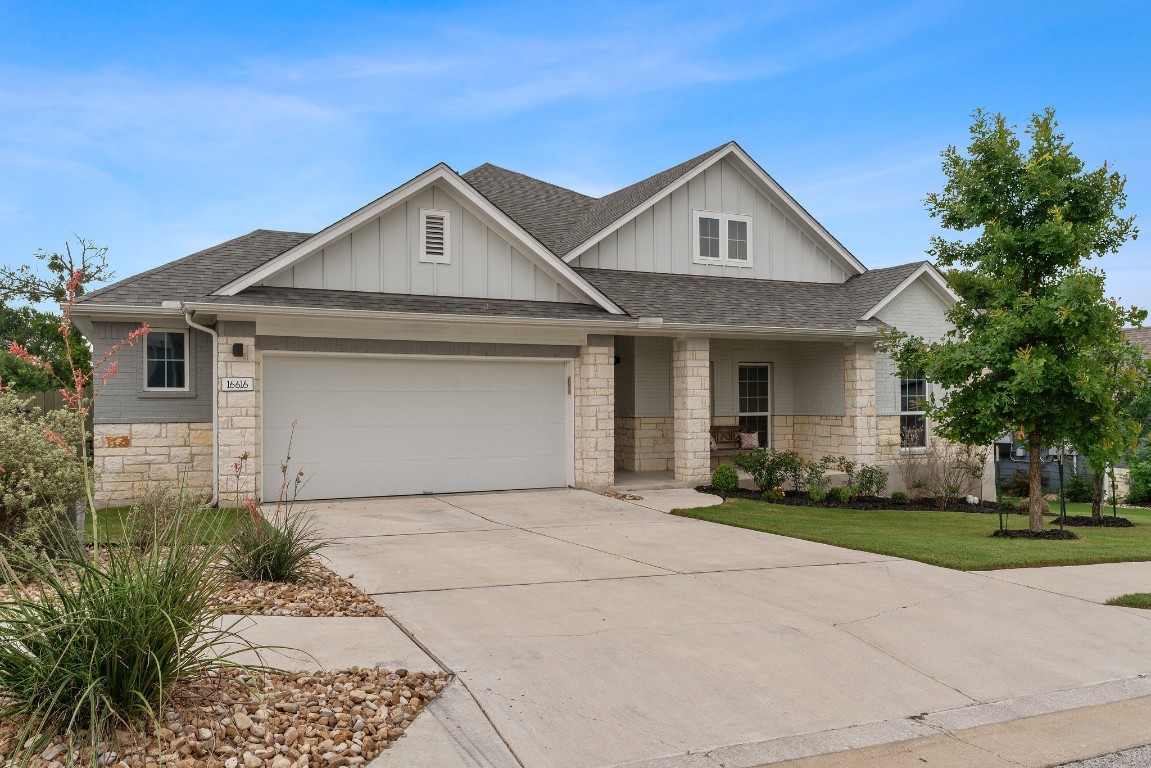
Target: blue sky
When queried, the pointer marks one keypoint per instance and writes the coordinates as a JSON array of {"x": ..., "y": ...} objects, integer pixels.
[{"x": 158, "y": 129}]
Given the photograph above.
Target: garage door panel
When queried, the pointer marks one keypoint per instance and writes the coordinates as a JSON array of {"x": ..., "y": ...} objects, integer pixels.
[{"x": 390, "y": 426}]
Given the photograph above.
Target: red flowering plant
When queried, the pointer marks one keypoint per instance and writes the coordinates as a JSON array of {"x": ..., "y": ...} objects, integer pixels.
[{"x": 75, "y": 383}]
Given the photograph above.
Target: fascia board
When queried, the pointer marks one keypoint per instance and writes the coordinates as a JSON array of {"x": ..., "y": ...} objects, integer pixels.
[
  {"x": 935, "y": 282},
  {"x": 539, "y": 255}
]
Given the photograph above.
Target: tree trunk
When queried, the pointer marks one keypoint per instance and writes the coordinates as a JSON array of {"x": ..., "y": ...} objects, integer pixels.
[
  {"x": 1035, "y": 481},
  {"x": 1097, "y": 499}
]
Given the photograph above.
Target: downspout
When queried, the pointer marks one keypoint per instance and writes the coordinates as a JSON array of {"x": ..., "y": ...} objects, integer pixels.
[{"x": 215, "y": 407}]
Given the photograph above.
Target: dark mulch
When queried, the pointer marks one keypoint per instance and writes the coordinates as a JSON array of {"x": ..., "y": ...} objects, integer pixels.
[
  {"x": 1050, "y": 533},
  {"x": 863, "y": 502},
  {"x": 1090, "y": 522}
]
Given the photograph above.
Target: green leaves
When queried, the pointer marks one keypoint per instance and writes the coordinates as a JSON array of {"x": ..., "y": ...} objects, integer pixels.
[{"x": 1036, "y": 344}]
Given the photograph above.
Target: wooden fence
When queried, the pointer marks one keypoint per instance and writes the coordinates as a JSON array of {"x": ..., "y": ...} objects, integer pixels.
[{"x": 52, "y": 400}]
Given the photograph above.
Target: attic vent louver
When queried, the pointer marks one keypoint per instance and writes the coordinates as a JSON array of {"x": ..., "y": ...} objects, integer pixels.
[{"x": 435, "y": 236}]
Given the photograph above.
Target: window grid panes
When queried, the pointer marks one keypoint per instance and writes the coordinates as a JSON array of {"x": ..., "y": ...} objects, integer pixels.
[
  {"x": 755, "y": 400},
  {"x": 737, "y": 240},
  {"x": 166, "y": 360},
  {"x": 912, "y": 419},
  {"x": 708, "y": 238}
]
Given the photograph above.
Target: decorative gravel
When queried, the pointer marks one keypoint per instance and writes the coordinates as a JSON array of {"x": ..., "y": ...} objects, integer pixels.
[
  {"x": 278, "y": 720},
  {"x": 320, "y": 593}
]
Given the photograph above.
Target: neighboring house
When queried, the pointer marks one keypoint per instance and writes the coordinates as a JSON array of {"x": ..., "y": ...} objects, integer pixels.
[{"x": 492, "y": 331}]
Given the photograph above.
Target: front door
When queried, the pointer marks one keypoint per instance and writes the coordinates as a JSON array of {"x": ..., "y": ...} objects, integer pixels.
[{"x": 755, "y": 400}]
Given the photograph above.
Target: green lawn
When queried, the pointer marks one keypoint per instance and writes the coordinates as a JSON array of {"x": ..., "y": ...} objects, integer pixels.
[
  {"x": 211, "y": 524},
  {"x": 1133, "y": 600},
  {"x": 960, "y": 540}
]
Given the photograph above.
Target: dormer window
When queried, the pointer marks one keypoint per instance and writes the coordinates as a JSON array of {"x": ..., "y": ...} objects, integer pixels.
[
  {"x": 435, "y": 236},
  {"x": 722, "y": 238}
]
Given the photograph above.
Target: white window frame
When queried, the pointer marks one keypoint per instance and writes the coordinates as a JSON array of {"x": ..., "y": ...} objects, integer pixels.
[
  {"x": 425, "y": 257},
  {"x": 187, "y": 360},
  {"x": 724, "y": 218},
  {"x": 770, "y": 396},
  {"x": 920, "y": 412}
]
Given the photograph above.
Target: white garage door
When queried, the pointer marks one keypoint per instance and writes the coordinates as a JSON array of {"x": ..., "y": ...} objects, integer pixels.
[{"x": 372, "y": 426}]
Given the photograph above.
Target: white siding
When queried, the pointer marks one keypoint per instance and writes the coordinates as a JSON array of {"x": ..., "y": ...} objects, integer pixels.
[
  {"x": 382, "y": 255},
  {"x": 919, "y": 312},
  {"x": 659, "y": 239}
]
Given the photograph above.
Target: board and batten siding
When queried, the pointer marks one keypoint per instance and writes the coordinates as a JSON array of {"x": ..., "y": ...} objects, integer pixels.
[
  {"x": 920, "y": 312},
  {"x": 806, "y": 377},
  {"x": 660, "y": 238},
  {"x": 382, "y": 256}
]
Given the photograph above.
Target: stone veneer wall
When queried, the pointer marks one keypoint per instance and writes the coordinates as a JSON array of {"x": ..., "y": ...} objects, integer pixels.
[
  {"x": 645, "y": 443},
  {"x": 886, "y": 439},
  {"x": 859, "y": 402},
  {"x": 130, "y": 457},
  {"x": 691, "y": 408},
  {"x": 239, "y": 415},
  {"x": 594, "y": 382}
]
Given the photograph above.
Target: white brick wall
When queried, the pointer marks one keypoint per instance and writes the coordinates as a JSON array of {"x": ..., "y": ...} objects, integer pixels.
[{"x": 919, "y": 312}]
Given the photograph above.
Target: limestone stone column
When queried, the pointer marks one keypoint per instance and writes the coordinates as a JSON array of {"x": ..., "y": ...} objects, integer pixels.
[
  {"x": 238, "y": 414},
  {"x": 594, "y": 391},
  {"x": 859, "y": 402},
  {"x": 691, "y": 408}
]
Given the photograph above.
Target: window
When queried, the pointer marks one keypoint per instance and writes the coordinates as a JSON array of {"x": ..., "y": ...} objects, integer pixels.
[
  {"x": 166, "y": 360},
  {"x": 435, "y": 236},
  {"x": 755, "y": 400},
  {"x": 912, "y": 418},
  {"x": 722, "y": 238}
]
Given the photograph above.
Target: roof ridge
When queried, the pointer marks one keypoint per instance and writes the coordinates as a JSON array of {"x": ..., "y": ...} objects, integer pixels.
[
  {"x": 183, "y": 259},
  {"x": 529, "y": 178},
  {"x": 605, "y": 203}
]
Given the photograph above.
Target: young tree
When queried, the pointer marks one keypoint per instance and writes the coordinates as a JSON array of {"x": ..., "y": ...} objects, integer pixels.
[
  {"x": 24, "y": 283},
  {"x": 1033, "y": 332},
  {"x": 38, "y": 332}
]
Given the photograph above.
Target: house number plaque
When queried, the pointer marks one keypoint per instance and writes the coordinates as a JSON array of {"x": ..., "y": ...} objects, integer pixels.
[{"x": 236, "y": 385}]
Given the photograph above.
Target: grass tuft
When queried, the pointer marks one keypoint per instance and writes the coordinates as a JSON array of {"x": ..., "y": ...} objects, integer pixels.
[
  {"x": 273, "y": 549},
  {"x": 1133, "y": 600}
]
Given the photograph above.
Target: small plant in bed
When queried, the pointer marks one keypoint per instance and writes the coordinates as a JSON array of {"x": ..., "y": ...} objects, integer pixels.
[
  {"x": 276, "y": 547},
  {"x": 724, "y": 479}
]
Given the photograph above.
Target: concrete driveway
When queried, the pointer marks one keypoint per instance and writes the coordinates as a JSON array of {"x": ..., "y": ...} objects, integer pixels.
[{"x": 594, "y": 631}]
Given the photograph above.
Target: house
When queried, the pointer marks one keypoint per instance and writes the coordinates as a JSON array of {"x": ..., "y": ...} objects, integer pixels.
[{"x": 492, "y": 331}]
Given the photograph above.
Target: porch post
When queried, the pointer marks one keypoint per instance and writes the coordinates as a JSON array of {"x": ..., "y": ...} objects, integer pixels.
[
  {"x": 595, "y": 414},
  {"x": 691, "y": 408},
  {"x": 239, "y": 415},
  {"x": 859, "y": 401}
]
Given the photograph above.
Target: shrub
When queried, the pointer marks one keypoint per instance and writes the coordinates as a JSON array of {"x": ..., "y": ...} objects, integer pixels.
[
  {"x": 155, "y": 511},
  {"x": 844, "y": 493},
  {"x": 871, "y": 480},
  {"x": 943, "y": 471},
  {"x": 95, "y": 647},
  {"x": 765, "y": 470},
  {"x": 817, "y": 494},
  {"x": 42, "y": 480},
  {"x": 847, "y": 467},
  {"x": 1080, "y": 487},
  {"x": 773, "y": 494},
  {"x": 1019, "y": 485},
  {"x": 793, "y": 467},
  {"x": 725, "y": 479},
  {"x": 899, "y": 497}
]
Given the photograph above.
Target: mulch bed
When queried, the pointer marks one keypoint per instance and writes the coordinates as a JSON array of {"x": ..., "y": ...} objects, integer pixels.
[
  {"x": 791, "y": 498},
  {"x": 1090, "y": 522},
  {"x": 230, "y": 719},
  {"x": 1050, "y": 533}
]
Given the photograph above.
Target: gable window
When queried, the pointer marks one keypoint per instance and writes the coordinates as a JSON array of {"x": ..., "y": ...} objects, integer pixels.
[
  {"x": 912, "y": 417},
  {"x": 166, "y": 360},
  {"x": 435, "y": 236},
  {"x": 722, "y": 238}
]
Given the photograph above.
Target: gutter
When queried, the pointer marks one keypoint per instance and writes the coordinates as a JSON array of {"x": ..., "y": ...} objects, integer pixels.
[{"x": 215, "y": 406}]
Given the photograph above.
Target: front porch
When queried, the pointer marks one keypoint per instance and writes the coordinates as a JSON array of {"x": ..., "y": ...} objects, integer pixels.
[{"x": 675, "y": 396}]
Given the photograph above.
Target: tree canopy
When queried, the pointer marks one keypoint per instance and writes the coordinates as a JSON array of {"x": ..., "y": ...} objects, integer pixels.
[{"x": 1037, "y": 346}]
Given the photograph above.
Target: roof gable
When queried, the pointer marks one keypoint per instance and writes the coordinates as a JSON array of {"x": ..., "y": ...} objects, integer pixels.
[
  {"x": 439, "y": 176},
  {"x": 920, "y": 271}
]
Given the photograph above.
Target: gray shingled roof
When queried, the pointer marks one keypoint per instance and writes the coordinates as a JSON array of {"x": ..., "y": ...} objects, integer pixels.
[
  {"x": 1140, "y": 337},
  {"x": 311, "y": 298},
  {"x": 870, "y": 288},
  {"x": 560, "y": 218},
  {"x": 700, "y": 300},
  {"x": 197, "y": 275}
]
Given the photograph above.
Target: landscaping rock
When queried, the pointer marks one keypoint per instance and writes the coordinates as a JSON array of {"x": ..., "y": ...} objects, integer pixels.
[{"x": 328, "y": 729}]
